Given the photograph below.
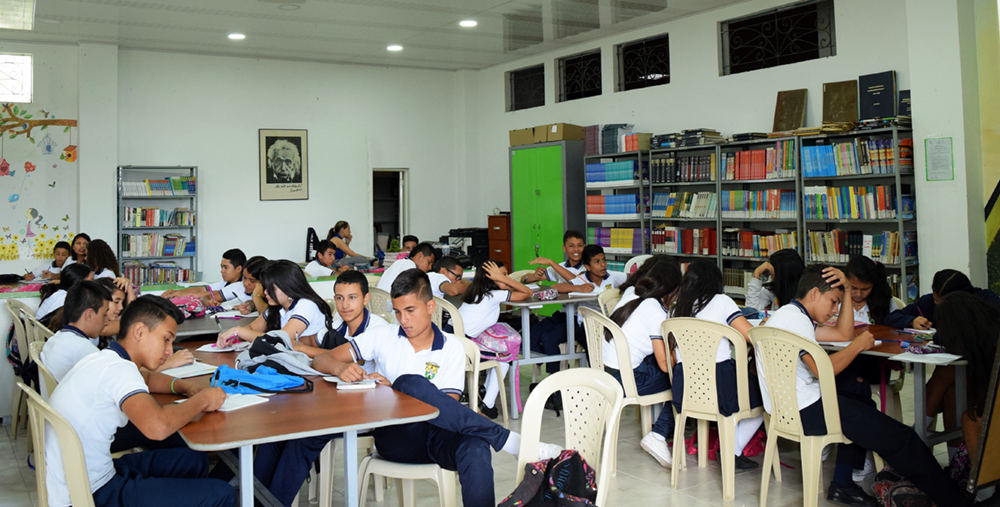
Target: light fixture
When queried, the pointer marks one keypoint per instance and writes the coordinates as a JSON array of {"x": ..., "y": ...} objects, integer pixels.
[
  {"x": 237, "y": 36},
  {"x": 289, "y": 7},
  {"x": 395, "y": 47},
  {"x": 468, "y": 23},
  {"x": 17, "y": 14}
]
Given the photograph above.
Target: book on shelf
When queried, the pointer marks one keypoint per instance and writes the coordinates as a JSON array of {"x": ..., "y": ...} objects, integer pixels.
[
  {"x": 738, "y": 242},
  {"x": 156, "y": 273},
  {"x": 839, "y": 246},
  {"x": 624, "y": 170},
  {"x": 759, "y": 204},
  {"x": 859, "y": 156},
  {"x": 611, "y": 136},
  {"x": 616, "y": 240},
  {"x": 903, "y": 107},
  {"x": 637, "y": 141},
  {"x": 173, "y": 186},
  {"x": 684, "y": 241},
  {"x": 840, "y": 102},
  {"x": 877, "y": 95},
  {"x": 155, "y": 245},
  {"x": 675, "y": 168},
  {"x": 685, "y": 205},
  {"x": 592, "y": 140},
  {"x": 736, "y": 281},
  {"x": 773, "y": 162},
  {"x": 747, "y": 136},
  {"x": 624, "y": 204},
  {"x": 790, "y": 110},
  {"x": 156, "y": 217},
  {"x": 873, "y": 202}
]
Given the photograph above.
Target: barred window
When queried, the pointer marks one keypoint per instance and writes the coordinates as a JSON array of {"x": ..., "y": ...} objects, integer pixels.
[
  {"x": 644, "y": 63},
  {"x": 15, "y": 78},
  {"x": 790, "y": 34},
  {"x": 580, "y": 76},
  {"x": 526, "y": 88}
]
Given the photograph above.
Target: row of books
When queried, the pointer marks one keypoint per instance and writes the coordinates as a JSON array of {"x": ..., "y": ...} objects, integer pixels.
[
  {"x": 690, "y": 137},
  {"x": 773, "y": 162},
  {"x": 623, "y": 204},
  {"x": 156, "y": 217},
  {"x": 156, "y": 273},
  {"x": 839, "y": 246},
  {"x": 856, "y": 157},
  {"x": 685, "y": 205},
  {"x": 156, "y": 245},
  {"x": 911, "y": 292},
  {"x": 684, "y": 241},
  {"x": 626, "y": 170},
  {"x": 636, "y": 142},
  {"x": 759, "y": 204},
  {"x": 873, "y": 202},
  {"x": 756, "y": 244},
  {"x": 175, "y": 185},
  {"x": 736, "y": 281},
  {"x": 607, "y": 138},
  {"x": 674, "y": 168},
  {"x": 618, "y": 240},
  {"x": 618, "y": 266}
]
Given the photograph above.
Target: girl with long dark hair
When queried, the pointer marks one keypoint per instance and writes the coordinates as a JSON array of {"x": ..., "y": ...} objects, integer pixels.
[
  {"x": 79, "y": 251},
  {"x": 54, "y": 294},
  {"x": 251, "y": 285},
  {"x": 871, "y": 295},
  {"x": 627, "y": 289},
  {"x": 785, "y": 268},
  {"x": 101, "y": 258}
]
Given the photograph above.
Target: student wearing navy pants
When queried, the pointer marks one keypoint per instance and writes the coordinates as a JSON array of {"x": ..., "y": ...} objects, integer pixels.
[
  {"x": 282, "y": 466},
  {"x": 163, "y": 478}
]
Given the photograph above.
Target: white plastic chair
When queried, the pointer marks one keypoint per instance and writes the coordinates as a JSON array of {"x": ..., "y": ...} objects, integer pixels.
[
  {"x": 594, "y": 324},
  {"x": 405, "y": 474},
  {"x": 48, "y": 381},
  {"x": 608, "y": 300},
  {"x": 698, "y": 341},
  {"x": 380, "y": 303},
  {"x": 592, "y": 401},
  {"x": 74, "y": 466},
  {"x": 636, "y": 262},
  {"x": 521, "y": 273},
  {"x": 19, "y": 315},
  {"x": 36, "y": 331},
  {"x": 327, "y": 458},
  {"x": 372, "y": 280},
  {"x": 777, "y": 363}
]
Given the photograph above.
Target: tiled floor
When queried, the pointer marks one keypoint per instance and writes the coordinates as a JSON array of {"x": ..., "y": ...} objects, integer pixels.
[{"x": 639, "y": 478}]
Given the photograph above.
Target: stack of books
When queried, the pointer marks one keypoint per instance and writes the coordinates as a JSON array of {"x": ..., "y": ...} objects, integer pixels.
[
  {"x": 156, "y": 273},
  {"x": 700, "y": 137},
  {"x": 391, "y": 257},
  {"x": 756, "y": 244},
  {"x": 624, "y": 204},
  {"x": 156, "y": 217},
  {"x": 760, "y": 164},
  {"x": 748, "y": 136},
  {"x": 626, "y": 170},
  {"x": 735, "y": 281},
  {"x": 839, "y": 246},
  {"x": 592, "y": 140},
  {"x": 684, "y": 241},
  {"x": 685, "y": 205},
  {"x": 617, "y": 240},
  {"x": 156, "y": 245},
  {"x": 173, "y": 186},
  {"x": 611, "y": 134},
  {"x": 618, "y": 266},
  {"x": 753, "y": 204},
  {"x": 671, "y": 140},
  {"x": 673, "y": 168},
  {"x": 873, "y": 202}
]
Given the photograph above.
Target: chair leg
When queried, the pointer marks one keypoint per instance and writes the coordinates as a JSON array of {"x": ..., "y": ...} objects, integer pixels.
[
  {"x": 727, "y": 457},
  {"x": 614, "y": 447},
  {"x": 363, "y": 475},
  {"x": 504, "y": 408},
  {"x": 15, "y": 411},
  {"x": 771, "y": 459},
  {"x": 702, "y": 443},
  {"x": 645, "y": 418},
  {"x": 326, "y": 466},
  {"x": 404, "y": 488},
  {"x": 811, "y": 450},
  {"x": 678, "y": 450},
  {"x": 446, "y": 488}
]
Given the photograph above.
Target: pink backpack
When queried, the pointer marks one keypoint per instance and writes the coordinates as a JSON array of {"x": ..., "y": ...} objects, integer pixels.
[
  {"x": 190, "y": 306},
  {"x": 503, "y": 343}
]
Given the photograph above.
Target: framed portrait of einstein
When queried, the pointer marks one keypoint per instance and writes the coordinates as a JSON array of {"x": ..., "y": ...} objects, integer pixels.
[{"x": 284, "y": 165}]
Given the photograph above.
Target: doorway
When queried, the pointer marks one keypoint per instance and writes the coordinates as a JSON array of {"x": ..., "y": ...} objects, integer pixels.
[{"x": 390, "y": 202}]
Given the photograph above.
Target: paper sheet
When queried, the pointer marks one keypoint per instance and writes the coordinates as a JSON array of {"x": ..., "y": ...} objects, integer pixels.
[
  {"x": 191, "y": 370},
  {"x": 841, "y": 345},
  {"x": 940, "y": 358},
  {"x": 237, "y": 314},
  {"x": 210, "y": 347},
  {"x": 351, "y": 386},
  {"x": 236, "y": 401}
]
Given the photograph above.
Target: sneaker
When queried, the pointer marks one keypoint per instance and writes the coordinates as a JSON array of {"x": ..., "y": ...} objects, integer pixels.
[
  {"x": 487, "y": 412},
  {"x": 658, "y": 449},
  {"x": 851, "y": 494},
  {"x": 869, "y": 470},
  {"x": 744, "y": 463},
  {"x": 548, "y": 451}
]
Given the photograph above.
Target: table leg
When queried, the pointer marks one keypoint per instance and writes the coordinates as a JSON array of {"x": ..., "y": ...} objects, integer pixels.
[
  {"x": 919, "y": 399},
  {"x": 526, "y": 354},
  {"x": 960, "y": 394},
  {"x": 351, "y": 493},
  {"x": 246, "y": 476}
]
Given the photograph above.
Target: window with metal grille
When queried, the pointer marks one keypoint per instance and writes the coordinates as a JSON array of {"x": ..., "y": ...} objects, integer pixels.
[
  {"x": 15, "y": 78},
  {"x": 790, "y": 34},
  {"x": 526, "y": 88},
  {"x": 580, "y": 76},
  {"x": 644, "y": 63}
]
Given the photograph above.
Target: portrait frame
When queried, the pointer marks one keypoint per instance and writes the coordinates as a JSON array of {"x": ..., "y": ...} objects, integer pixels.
[{"x": 284, "y": 164}]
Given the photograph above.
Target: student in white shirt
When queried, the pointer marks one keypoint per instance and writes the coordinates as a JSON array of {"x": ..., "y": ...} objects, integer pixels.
[
  {"x": 784, "y": 267},
  {"x": 421, "y": 257},
  {"x": 54, "y": 294},
  {"x": 323, "y": 264},
  {"x": 819, "y": 296},
  {"x": 418, "y": 359},
  {"x": 251, "y": 286},
  {"x": 101, "y": 258},
  {"x": 627, "y": 289},
  {"x": 350, "y": 293},
  {"x": 552, "y": 271},
  {"x": 480, "y": 310},
  {"x": 293, "y": 307},
  {"x": 340, "y": 236},
  {"x": 229, "y": 288},
  {"x": 50, "y": 270},
  {"x": 78, "y": 251},
  {"x": 640, "y": 320},
  {"x": 408, "y": 243},
  {"x": 86, "y": 313},
  {"x": 702, "y": 295},
  {"x": 446, "y": 278},
  {"x": 871, "y": 295}
]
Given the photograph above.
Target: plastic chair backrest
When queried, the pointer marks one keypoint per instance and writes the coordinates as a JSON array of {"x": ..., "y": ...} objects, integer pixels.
[
  {"x": 592, "y": 401},
  {"x": 332, "y": 304},
  {"x": 698, "y": 340},
  {"x": 635, "y": 262},
  {"x": 442, "y": 305},
  {"x": 19, "y": 316},
  {"x": 607, "y": 301},
  {"x": 380, "y": 303},
  {"x": 77, "y": 482},
  {"x": 598, "y": 322},
  {"x": 48, "y": 381},
  {"x": 373, "y": 280},
  {"x": 37, "y": 332},
  {"x": 594, "y": 330},
  {"x": 777, "y": 363},
  {"x": 521, "y": 273},
  {"x": 899, "y": 303}
]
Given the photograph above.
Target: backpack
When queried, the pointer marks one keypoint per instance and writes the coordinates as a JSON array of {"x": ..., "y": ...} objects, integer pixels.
[
  {"x": 565, "y": 481},
  {"x": 23, "y": 366},
  {"x": 189, "y": 305},
  {"x": 274, "y": 350},
  {"x": 264, "y": 380},
  {"x": 502, "y": 343},
  {"x": 893, "y": 490}
]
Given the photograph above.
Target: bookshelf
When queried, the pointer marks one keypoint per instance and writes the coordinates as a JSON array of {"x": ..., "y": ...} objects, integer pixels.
[
  {"x": 157, "y": 223},
  {"x": 684, "y": 190},
  {"x": 616, "y": 195}
]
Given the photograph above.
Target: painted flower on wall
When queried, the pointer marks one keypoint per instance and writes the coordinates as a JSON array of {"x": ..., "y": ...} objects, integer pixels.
[
  {"x": 29, "y": 167},
  {"x": 4, "y": 168}
]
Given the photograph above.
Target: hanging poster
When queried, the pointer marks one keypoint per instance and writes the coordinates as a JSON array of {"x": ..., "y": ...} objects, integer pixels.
[{"x": 284, "y": 165}]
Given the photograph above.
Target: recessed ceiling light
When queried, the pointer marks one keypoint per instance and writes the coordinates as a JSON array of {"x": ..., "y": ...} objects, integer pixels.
[
  {"x": 237, "y": 36},
  {"x": 468, "y": 23},
  {"x": 289, "y": 7},
  {"x": 395, "y": 47}
]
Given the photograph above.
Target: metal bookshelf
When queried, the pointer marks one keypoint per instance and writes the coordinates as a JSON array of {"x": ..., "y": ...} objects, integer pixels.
[{"x": 638, "y": 220}]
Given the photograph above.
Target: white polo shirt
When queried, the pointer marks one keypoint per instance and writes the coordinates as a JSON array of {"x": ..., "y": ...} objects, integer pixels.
[
  {"x": 63, "y": 350},
  {"x": 611, "y": 280},
  {"x": 50, "y": 267},
  {"x": 724, "y": 310},
  {"x": 90, "y": 398},
  {"x": 437, "y": 280},
  {"x": 314, "y": 268},
  {"x": 794, "y": 318},
  {"x": 553, "y": 276},
  {"x": 390, "y": 274},
  {"x": 51, "y": 303},
  {"x": 305, "y": 311},
  {"x": 478, "y": 317},
  {"x": 370, "y": 322},
  {"x": 641, "y": 328},
  {"x": 443, "y": 364},
  {"x": 230, "y": 290},
  {"x": 105, "y": 273},
  {"x": 627, "y": 297}
]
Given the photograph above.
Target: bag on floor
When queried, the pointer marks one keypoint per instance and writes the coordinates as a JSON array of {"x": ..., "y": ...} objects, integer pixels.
[
  {"x": 894, "y": 490},
  {"x": 502, "y": 343},
  {"x": 275, "y": 350},
  {"x": 691, "y": 444},
  {"x": 264, "y": 380},
  {"x": 565, "y": 481}
]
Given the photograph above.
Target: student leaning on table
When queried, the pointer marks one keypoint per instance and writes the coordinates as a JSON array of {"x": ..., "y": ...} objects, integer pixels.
[{"x": 428, "y": 365}]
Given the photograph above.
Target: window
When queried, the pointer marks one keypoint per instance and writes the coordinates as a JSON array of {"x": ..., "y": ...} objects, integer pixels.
[
  {"x": 580, "y": 76},
  {"x": 644, "y": 63},
  {"x": 15, "y": 78},
  {"x": 526, "y": 88},
  {"x": 791, "y": 34}
]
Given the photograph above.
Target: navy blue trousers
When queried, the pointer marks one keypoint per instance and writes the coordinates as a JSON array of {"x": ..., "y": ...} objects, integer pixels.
[
  {"x": 164, "y": 477},
  {"x": 650, "y": 379},
  {"x": 128, "y": 437},
  {"x": 548, "y": 333},
  {"x": 725, "y": 385},
  {"x": 458, "y": 439},
  {"x": 282, "y": 467}
]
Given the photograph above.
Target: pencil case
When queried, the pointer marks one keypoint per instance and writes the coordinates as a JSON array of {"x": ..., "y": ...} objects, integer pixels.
[{"x": 547, "y": 294}]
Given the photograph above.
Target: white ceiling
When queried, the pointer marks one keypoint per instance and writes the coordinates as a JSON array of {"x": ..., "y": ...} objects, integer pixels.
[{"x": 352, "y": 31}]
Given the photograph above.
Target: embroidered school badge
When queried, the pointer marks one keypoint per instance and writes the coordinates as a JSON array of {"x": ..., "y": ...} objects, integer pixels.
[{"x": 431, "y": 370}]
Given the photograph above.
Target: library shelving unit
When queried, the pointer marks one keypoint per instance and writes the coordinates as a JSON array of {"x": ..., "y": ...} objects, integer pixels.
[
  {"x": 157, "y": 223},
  {"x": 858, "y": 167},
  {"x": 625, "y": 182}
]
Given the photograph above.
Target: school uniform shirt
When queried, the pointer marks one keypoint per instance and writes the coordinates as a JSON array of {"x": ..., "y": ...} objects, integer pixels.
[
  {"x": 641, "y": 329},
  {"x": 553, "y": 276},
  {"x": 50, "y": 267},
  {"x": 370, "y": 322},
  {"x": 627, "y": 297},
  {"x": 51, "y": 304},
  {"x": 759, "y": 298},
  {"x": 69, "y": 261},
  {"x": 721, "y": 309},
  {"x": 478, "y": 317},
  {"x": 63, "y": 350},
  {"x": 437, "y": 280},
  {"x": 231, "y": 290},
  {"x": 90, "y": 398},
  {"x": 611, "y": 280},
  {"x": 863, "y": 315},
  {"x": 305, "y": 311},
  {"x": 314, "y": 268},
  {"x": 443, "y": 364},
  {"x": 105, "y": 273},
  {"x": 390, "y": 274},
  {"x": 794, "y": 318}
]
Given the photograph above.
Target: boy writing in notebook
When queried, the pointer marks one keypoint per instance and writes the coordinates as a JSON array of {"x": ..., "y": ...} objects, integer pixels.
[
  {"x": 106, "y": 390},
  {"x": 229, "y": 288}
]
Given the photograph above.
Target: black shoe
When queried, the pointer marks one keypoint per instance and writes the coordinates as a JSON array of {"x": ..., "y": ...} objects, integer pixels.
[
  {"x": 851, "y": 494},
  {"x": 553, "y": 403},
  {"x": 745, "y": 463},
  {"x": 491, "y": 413}
]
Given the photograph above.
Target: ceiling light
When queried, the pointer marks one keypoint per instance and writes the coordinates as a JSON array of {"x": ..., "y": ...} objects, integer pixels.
[
  {"x": 289, "y": 7},
  {"x": 468, "y": 23},
  {"x": 237, "y": 36},
  {"x": 395, "y": 47},
  {"x": 17, "y": 14}
]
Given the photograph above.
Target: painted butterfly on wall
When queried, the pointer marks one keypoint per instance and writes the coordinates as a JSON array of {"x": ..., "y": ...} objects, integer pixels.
[
  {"x": 6, "y": 229},
  {"x": 9, "y": 235},
  {"x": 53, "y": 185},
  {"x": 66, "y": 218},
  {"x": 55, "y": 227}
]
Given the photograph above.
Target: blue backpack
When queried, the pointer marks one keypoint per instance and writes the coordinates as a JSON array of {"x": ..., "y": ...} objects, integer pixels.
[{"x": 264, "y": 380}]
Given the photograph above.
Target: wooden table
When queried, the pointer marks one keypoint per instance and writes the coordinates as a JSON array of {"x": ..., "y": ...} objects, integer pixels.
[
  {"x": 291, "y": 416},
  {"x": 569, "y": 303},
  {"x": 208, "y": 325}
]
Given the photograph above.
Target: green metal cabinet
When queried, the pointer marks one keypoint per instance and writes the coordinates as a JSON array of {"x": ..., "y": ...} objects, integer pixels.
[{"x": 547, "y": 197}]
